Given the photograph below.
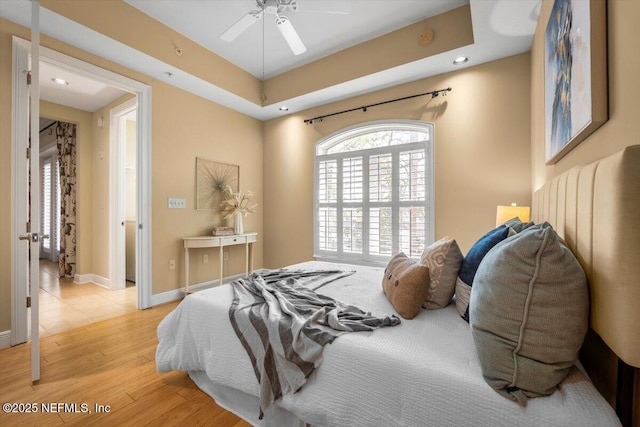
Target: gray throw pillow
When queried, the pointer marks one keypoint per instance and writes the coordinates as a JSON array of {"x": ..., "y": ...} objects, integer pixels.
[
  {"x": 443, "y": 258},
  {"x": 528, "y": 313},
  {"x": 518, "y": 226}
]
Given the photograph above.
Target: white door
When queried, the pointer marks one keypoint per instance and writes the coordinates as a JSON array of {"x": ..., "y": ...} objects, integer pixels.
[
  {"x": 26, "y": 220},
  {"x": 28, "y": 167}
]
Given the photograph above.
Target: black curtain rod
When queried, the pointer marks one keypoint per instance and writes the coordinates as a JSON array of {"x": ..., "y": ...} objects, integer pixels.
[
  {"x": 48, "y": 126},
  {"x": 364, "y": 108}
]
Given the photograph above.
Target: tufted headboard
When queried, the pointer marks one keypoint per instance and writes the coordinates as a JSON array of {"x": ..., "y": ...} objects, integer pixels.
[{"x": 596, "y": 210}]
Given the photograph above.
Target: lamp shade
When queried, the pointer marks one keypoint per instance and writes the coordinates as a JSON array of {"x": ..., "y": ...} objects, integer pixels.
[{"x": 505, "y": 213}]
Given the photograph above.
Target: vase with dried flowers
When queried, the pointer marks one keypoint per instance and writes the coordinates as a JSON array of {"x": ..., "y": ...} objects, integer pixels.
[{"x": 237, "y": 205}]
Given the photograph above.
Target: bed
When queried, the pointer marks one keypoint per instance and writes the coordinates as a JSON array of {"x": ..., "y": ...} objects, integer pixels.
[{"x": 426, "y": 371}]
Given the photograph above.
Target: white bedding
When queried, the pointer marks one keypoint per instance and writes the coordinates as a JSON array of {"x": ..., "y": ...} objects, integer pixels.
[{"x": 423, "y": 372}]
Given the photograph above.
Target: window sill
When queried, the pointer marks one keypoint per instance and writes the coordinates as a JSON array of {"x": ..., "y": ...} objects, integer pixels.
[{"x": 322, "y": 258}]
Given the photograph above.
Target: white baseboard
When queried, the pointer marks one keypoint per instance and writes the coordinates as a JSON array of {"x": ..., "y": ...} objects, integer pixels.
[
  {"x": 5, "y": 339},
  {"x": 177, "y": 294},
  {"x": 81, "y": 279}
]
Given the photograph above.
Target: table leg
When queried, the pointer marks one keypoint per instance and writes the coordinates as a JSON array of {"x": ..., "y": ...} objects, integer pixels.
[
  {"x": 246, "y": 259},
  {"x": 221, "y": 265},
  {"x": 251, "y": 257},
  {"x": 186, "y": 270}
]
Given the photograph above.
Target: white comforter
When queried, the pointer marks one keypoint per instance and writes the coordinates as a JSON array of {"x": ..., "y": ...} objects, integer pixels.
[{"x": 424, "y": 372}]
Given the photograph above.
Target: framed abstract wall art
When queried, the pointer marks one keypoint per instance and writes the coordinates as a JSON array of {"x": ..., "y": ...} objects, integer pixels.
[
  {"x": 211, "y": 180},
  {"x": 575, "y": 77}
]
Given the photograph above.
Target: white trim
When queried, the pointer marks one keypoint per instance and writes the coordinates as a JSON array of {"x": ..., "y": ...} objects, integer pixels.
[
  {"x": 5, "y": 339},
  {"x": 143, "y": 241},
  {"x": 117, "y": 136},
  {"x": 82, "y": 278},
  {"x": 324, "y": 258},
  {"x": 177, "y": 294},
  {"x": 165, "y": 297},
  {"x": 143, "y": 191},
  {"x": 96, "y": 279}
]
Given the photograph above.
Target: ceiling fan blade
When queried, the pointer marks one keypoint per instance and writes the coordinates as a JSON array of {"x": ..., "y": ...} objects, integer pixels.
[
  {"x": 241, "y": 25},
  {"x": 290, "y": 35}
]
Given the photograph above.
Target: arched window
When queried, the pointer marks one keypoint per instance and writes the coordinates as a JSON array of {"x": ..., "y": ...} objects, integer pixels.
[{"x": 374, "y": 192}]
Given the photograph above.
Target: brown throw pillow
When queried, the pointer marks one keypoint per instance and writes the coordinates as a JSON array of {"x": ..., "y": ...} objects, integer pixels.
[{"x": 406, "y": 284}]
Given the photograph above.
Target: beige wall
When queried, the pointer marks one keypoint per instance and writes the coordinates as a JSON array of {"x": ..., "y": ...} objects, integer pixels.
[
  {"x": 482, "y": 153},
  {"x": 623, "y": 127},
  {"x": 84, "y": 188},
  {"x": 100, "y": 187},
  {"x": 193, "y": 127},
  {"x": 183, "y": 126},
  {"x": 451, "y": 30},
  {"x": 130, "y": 171}
]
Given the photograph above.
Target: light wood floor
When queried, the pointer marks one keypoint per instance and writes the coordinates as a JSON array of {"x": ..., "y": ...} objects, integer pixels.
[
  {"x": 111, "y": 362},
  {"x": 65, "y": 305}
]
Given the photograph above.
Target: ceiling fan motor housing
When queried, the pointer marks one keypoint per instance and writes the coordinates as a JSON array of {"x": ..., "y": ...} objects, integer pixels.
[{"x": 274, "y": 7}]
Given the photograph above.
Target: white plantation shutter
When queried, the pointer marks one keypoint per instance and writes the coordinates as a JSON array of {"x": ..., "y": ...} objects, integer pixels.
[
  {"x": 412, "y": 186},
  {"x": 46, "y": 180},
  {"x": 352, "y": 180},
  {"x": 55, "y": 236},
  {"x": 328, "y": 181},
  {"x": 380, "y": 231},
  {"x": 374, "y": 191},
  {"x": 50, "y": 206},
  {"x": 380, "y": 178}
]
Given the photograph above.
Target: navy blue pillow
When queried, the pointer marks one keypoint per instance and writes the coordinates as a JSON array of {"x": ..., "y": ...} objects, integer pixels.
[{"x": 470, "y": 266}]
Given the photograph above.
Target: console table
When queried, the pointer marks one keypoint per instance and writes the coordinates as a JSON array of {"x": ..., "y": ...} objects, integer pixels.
[{"x": 247, "y": 239}]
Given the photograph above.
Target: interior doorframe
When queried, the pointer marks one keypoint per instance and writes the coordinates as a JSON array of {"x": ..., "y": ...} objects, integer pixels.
[
  {"x": 117, "y": 138},
  {"x": 21, "y": 50}
]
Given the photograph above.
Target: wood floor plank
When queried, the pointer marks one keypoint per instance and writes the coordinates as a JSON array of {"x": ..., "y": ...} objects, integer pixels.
[{"x": 108, "y": 363}]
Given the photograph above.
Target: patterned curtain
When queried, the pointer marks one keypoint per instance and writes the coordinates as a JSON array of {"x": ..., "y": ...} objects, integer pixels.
[{"x": 66, "y": 141}]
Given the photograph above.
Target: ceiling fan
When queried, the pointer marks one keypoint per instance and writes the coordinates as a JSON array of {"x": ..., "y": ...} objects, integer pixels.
[{"x": 276, "y": 8}]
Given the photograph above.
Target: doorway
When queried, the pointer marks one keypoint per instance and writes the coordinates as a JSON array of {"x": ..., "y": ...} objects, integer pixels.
[
  {"x": 64, "y": 303},
  {"x": 123, "y": 190},
  {"x": 142, "y": 92}
]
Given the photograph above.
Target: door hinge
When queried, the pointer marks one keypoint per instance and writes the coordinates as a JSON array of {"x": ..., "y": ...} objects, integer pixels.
[
  {"x": 28, "y": 302},
  {"x": 28, "y": 77},
  {"x": 28, "y": 152}
]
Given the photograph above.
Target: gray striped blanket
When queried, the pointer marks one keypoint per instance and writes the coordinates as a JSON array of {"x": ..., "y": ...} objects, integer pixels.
[{"x": 283, "y": 324}]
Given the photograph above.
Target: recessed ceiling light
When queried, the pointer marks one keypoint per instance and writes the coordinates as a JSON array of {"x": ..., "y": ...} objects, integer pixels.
[
  {"x": 460, "y": 60},
  {"x": 283, "y": 108},
  {"x": 59, "y": 81}
]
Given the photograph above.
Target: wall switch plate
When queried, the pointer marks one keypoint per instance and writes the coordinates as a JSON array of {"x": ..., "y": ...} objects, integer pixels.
[
  {"x": 172, "y": 264},
  {"x": 205, "y": 258},
  {"x": 177, "y": 203}
]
